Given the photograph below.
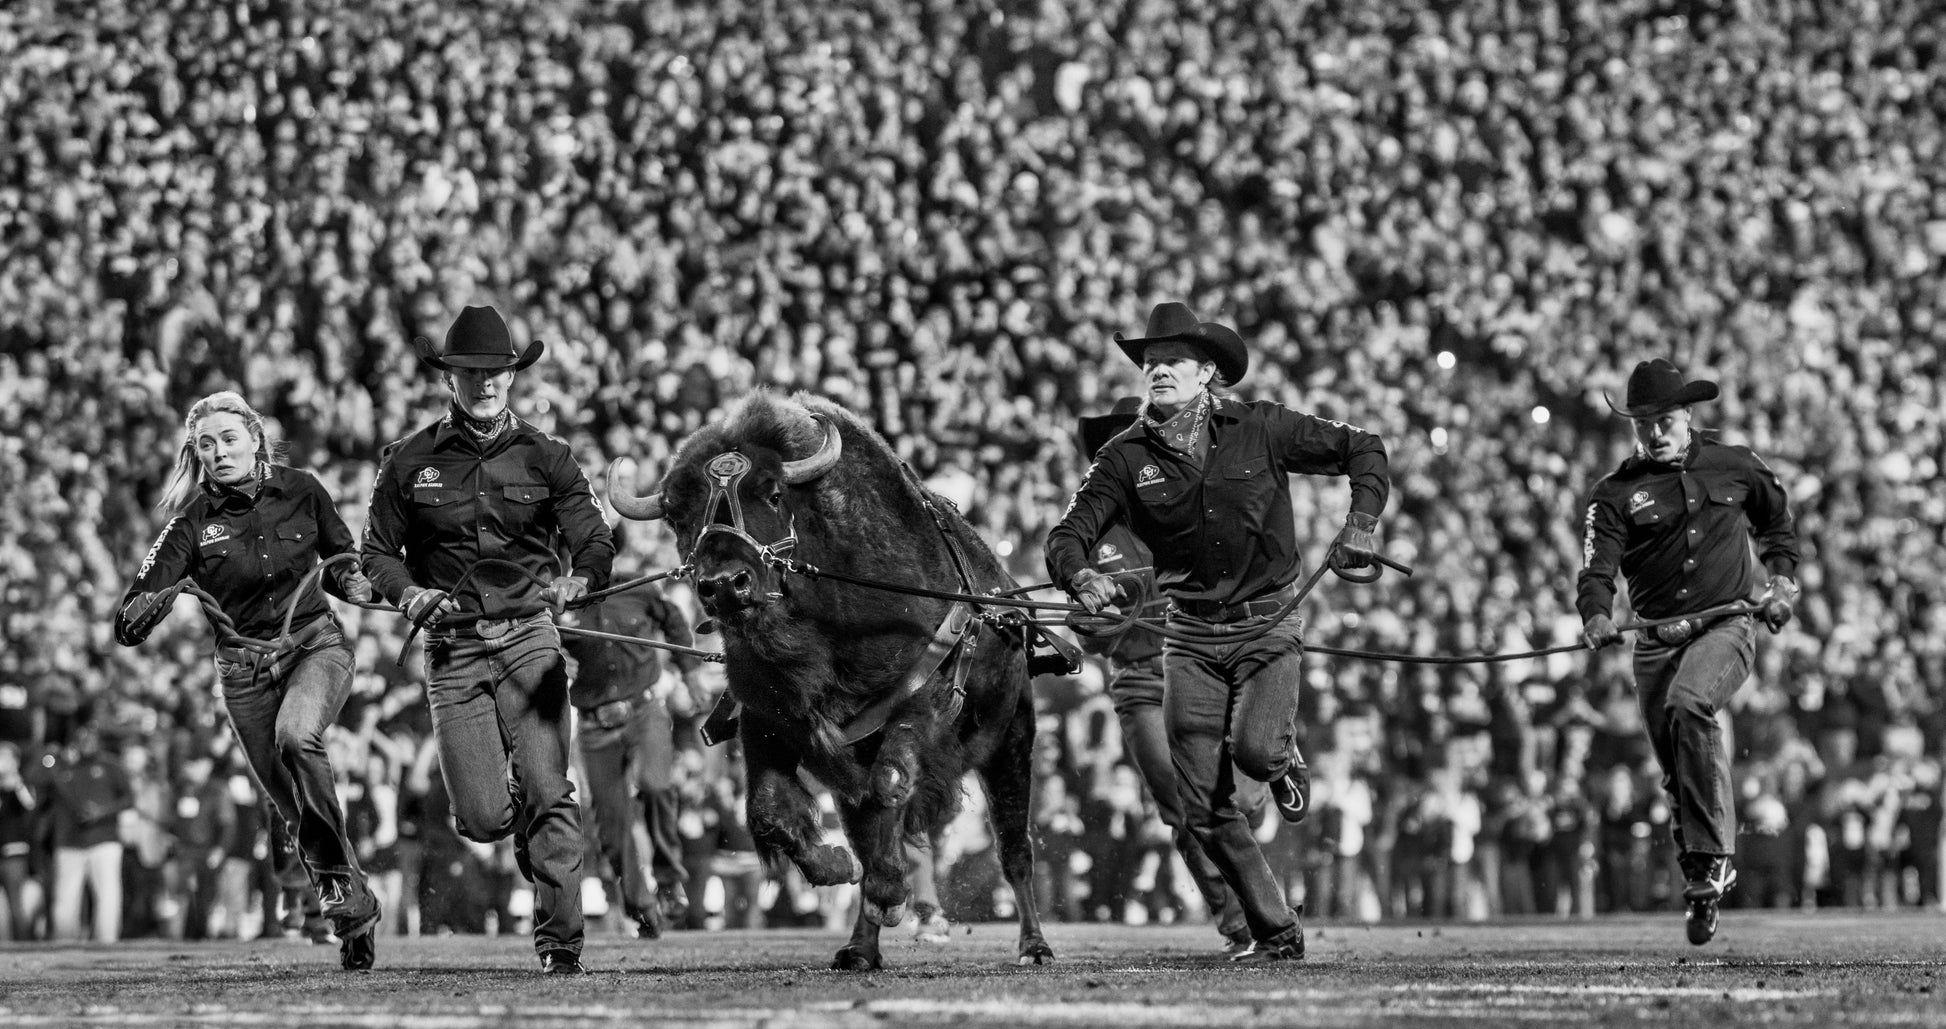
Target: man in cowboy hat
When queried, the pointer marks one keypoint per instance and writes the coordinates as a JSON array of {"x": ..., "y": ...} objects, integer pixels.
[
  {"x": 1677, "y": 519},
  {"x": 1202, "y": 480},
  {"x": 482, "y": 483},
  {"x": 1136, "y": 686}
]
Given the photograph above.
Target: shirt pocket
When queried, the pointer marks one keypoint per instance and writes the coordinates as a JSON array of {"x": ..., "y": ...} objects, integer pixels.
[
  {"x": 437, "y": 498},
  {"x": 296, "y": 536},
  {"x": 521, "y": 505},
  {"x": 1729, "y": 492}
]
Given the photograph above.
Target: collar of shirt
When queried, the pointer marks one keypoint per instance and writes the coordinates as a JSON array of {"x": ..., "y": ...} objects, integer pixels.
[
  {"x": 230, "y": 500},
  {"x": 449, "y": 432}
]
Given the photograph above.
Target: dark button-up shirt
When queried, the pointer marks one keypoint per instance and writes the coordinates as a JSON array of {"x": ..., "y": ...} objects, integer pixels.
[
  {"x": 608, "y": 671},
  {"x": 248, "y": 552},
  {"x": 1681, "y": 536},
  {"x": 1222, "y": 532},
  {"x": 442, "y": 502}
]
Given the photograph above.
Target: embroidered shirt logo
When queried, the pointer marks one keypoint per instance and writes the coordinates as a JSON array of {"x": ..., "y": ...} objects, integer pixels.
[
  {"x": 1150, "y": 475},
  {"x": 1640, "y": 500},
  {"x": 428, "y": 476},
  {"x": 215, "y": 532}
]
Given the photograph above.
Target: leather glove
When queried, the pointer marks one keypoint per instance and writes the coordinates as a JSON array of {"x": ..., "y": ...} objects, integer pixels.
[
  {"x": 1355, "y": 546},
  {"x": 1094, "y": 590},
  {"x": 1599, "y": 632},
  {"x": 564, "y": 590},
  {"x": 418, "y": 601},
  {"x": 145, "y": 609},
  {"x": 356, "y": 587},
  {"x": 1779, "y": 600}
]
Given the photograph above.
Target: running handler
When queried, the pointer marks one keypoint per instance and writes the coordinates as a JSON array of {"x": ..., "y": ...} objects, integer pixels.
[{"x": 1677, "y": 519}]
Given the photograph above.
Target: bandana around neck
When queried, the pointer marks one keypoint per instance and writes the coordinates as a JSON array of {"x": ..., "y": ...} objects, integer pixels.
[
  {"x": 1184, "y": 432},
  {"x": 483, "y": 432}
]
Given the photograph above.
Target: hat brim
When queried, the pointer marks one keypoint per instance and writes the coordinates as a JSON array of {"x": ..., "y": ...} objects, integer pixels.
[
  {"x": 1098, "y": 430},
  {"x": 1231, "y": 365},
  {"x": 479, "y": 362},
  {"x": 1691, "y": 393}
]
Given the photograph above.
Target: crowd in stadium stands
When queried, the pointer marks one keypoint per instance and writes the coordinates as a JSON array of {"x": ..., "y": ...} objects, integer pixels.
[{"x": 1455, "y": 222}]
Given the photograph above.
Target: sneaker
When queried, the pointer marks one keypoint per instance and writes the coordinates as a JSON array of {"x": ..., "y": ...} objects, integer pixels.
[
  {"x": 1710, "y": 877},
  {"x": 647, "y": 925},
  {"x": 1287, "y": 946},
  {"x": 347, "y": 903},
  {"x": 1237, "y": 943},
  {"x": 1292, "y": 792},
  {"x": 561, "y": 962},
  {"x": 358, "y": 953},
  {"x": 932, "y": 927},
  {"x": 1700, "y": 921}
]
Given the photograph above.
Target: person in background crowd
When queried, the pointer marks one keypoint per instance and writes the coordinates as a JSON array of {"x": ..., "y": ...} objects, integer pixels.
[
  {"x": 481, "y": 483},
  {"x": 1676, "y": 520},
  {"x": 17, "y": 820},
  {"x": 86, "y": 793},
  {"x": 250, "y": 533},
  {"x": 1136, "y": 687},
  {"x": 628, "y": 743},
  {"x": 1203, "y": 481}
]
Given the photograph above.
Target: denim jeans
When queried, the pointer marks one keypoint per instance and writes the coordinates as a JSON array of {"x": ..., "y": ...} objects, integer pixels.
[
  {"x": 505, "y": 701},
  {"x": 1234, "y": 702},
  {"x": 1680, "y": 689},
  {"x": 1138, "y": 691},
  {"x": 280, "y": 721}
]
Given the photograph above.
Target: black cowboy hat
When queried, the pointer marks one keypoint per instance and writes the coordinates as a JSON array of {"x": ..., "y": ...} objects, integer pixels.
[
  {"x": 1098, "y": 429},
  {"x": 1656, "y": 386},
  {"x": 479, "y": 339},
  {"x": 1174, "y": 321}
]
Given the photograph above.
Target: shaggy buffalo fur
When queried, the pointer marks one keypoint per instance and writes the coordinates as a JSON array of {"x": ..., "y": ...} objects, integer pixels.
[{"x": 805, "y": 655}]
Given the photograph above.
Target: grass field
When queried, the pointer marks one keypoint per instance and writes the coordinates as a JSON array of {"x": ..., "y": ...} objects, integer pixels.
[{"x": 1785, "y": 968}]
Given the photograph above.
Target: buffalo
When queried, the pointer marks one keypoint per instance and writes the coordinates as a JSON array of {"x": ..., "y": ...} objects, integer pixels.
[{"x": 886, "y": 697}]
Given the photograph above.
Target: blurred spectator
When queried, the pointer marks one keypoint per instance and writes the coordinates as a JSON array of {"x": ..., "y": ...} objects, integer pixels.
[{"x": 86, "y": 792}]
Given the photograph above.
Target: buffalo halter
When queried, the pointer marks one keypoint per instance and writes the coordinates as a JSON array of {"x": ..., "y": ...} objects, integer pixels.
[{"x": 725, "y": 471}]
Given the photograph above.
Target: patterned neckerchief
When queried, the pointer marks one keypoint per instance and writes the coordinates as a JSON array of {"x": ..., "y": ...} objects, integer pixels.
[
  {"x": 482, "y": 432},
  {"x": 1184, "y": 432}
]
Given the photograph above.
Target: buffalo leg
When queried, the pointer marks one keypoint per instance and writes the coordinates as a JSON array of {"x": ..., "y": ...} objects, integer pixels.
[
  {"x": 874, "y": 830},
  {"x": 1008, "y": 777},
  {"x": 784, "y": 821}
]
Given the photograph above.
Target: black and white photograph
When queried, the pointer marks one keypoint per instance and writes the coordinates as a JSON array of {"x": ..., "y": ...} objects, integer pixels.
[{"x": 824, "y": 514}]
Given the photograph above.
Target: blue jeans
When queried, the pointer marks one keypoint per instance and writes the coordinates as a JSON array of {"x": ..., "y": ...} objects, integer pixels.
[
  {"x": 1680, "y": 688},
  {"x": 1138, "y": 692},
  {"x": 1234, "y": 702},
  {"x": 502, "y": 701},
  {"x": 280, "y": 721}
]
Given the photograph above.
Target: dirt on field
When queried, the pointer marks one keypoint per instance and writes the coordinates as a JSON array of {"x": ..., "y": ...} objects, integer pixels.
[{"x": 1787, "y": 969}]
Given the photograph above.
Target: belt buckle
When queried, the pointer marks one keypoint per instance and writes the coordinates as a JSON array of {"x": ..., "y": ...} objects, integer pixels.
[
  {"x": 493, "y": 628},
  {"x": 1674, "y": 633}
]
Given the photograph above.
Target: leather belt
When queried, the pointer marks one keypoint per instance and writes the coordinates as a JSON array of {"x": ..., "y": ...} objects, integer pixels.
[
  {"x": 1671, "y": 634},
  {"x": 612, "y": 714},
  {"x": 1258, "y": 607},
  {"x": 489, "y": 628}
]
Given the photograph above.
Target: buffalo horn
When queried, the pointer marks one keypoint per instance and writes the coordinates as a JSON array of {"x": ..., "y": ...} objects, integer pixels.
[
  {"x": 644, "y": 508},
  {"x": 819, "y": 463}
]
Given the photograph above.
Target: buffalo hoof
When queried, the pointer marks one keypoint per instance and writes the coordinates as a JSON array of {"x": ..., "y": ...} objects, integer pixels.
[
  {"x": 884, "y": 916},
  {"x": 1035, "y": 952},
  {"x": 854, "y": 958},
  {"x": 830, "y": 865}
]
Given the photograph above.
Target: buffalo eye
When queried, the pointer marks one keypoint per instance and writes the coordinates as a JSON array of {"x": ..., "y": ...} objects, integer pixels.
[{"x": 774, "y": 496}]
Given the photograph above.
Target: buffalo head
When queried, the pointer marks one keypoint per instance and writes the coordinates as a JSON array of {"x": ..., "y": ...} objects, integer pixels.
[{"x": 730, "y": 510}]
